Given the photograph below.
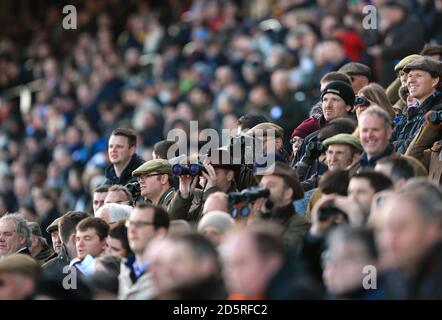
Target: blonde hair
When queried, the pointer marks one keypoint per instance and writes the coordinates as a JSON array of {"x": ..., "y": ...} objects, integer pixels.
[{"x": 377, "y": 96}]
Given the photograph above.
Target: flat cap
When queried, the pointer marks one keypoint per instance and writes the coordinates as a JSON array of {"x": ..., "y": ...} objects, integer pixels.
[
  {"x": 53, "y": 226},
  {"x": 35, "y": 228},
  {"x": 343, "y": 138},
  {"x": 408, "y": 59},
  {"x": 356, "y": 68},
  {"x": 427, "y": 64},
  {"x": 20, "y": 263},
  {"x": 157, "y": 165},
  {"x": 289, "y": 175},
  {"x": 265, "y": 126}
]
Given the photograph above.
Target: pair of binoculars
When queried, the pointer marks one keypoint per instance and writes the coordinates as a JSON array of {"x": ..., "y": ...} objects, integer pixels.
[{"x": 193, "y": 169}]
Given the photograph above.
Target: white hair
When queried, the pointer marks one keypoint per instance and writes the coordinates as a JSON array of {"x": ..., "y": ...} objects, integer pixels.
[{"x": 116, "y": 211}]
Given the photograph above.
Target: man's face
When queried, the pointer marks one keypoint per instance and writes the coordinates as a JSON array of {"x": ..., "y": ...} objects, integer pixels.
[
  {"x": 116, "y": 197},
  {"x": 373, "y": 134},
  {"x": 277, "y": 187},
  {"x": 88, "y": 242},
  {"x": 119, "y": 150},
  {"x": 140, "y": 229},
  {"x": 360, "y": 191},
  {"x": 183, "y": 265},
  {"x": 333, "y": 106},
  {"x": 338, "y": 156},
  {"x": 420, "y": 84},
  {"x": 114, "y": 247},
  {"x": 406, "y": 235},
  {"x": 14, "y": 286},
  {"x": 150, "y": 185},
  {"x": 98, "y": 200},
  {"x": 245, "y": 271},
  {"x": 10, "y": 240},
  {"x": 358, "y": 82},
  {"x": 56, "y": 241},
  {"x": 344, "y": 270}
]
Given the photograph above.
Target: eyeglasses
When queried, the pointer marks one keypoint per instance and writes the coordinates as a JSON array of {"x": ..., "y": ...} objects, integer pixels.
[
  {"x": 145, "y": 176},
  {"x": 361, "y": 101},
  {"x": 138, "y": 224}
]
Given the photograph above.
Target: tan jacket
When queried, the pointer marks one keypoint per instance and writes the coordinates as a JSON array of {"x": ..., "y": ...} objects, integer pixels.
[
  {"x": 128, "y": 290},
  {"x": 427, "y": 148}
]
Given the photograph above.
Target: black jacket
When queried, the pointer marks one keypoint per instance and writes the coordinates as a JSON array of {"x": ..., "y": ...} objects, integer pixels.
[
  {"x": 409, "y": 124},
  {"x": 126, "y": 175}
]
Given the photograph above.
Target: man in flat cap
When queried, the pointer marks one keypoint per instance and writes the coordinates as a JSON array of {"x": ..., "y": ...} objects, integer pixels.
[
  {"x": 342, "y": 150},
  {"x": 424, "y": 84},
  {"x": 40, "y": 250},
  {"x": 272, "y": 138},
  {"x": 359, "y": 73},
  {"x": 400, "y": 82},
  {"x": 155, "y": 178},
  {"x": 52, "y": 229},
  {"x": 284, "y": 187},
  {"x": 18, "y": 276}
]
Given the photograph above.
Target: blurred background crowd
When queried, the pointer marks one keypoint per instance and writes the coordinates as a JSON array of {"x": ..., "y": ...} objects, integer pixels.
[{"x": 155, "y": 65}]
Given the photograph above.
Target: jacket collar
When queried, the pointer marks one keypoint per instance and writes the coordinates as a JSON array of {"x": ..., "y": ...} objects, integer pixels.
[
  {"x": 370, "y": 163},
  {"x": 425, "y": 106}
]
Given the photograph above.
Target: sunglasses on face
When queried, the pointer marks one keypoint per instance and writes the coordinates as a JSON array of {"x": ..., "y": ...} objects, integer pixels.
[{"x": 361, "y": 101}]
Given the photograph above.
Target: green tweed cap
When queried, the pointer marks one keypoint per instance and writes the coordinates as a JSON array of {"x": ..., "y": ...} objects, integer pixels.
[
  {"x": 427, "y": 64},
  {"x": 53, "y": 226},
  {"x": 153, "y": 166},
  {"x": 408, "y": 59},
  {"x": 343, "y": 138},
  {"x": 35, "y": 228}
]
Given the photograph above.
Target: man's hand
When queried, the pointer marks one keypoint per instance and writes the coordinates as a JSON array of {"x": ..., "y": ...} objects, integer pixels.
[
  {"x": 210, "y": 176},
  {"x": 187, "y": 185},
  {"x": 320, "y": 227}
]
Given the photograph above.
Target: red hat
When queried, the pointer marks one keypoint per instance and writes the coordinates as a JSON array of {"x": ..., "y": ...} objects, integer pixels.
[{"x": 307, "y": 126}]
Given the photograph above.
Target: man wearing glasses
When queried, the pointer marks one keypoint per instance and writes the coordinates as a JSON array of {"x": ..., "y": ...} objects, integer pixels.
[
  {"x": 146, "y": 222},
  {"x": 155, "y": 179}
]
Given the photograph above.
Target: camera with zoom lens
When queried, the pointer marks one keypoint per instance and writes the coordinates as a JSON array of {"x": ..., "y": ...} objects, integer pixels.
[
  {"x": 435, "y": 117},
  {"x": 240, "y": 200},
  {"x": 248, "y": 195},
  {"x": 192, "y": 169},
  {"x": 134, "y": 189}
]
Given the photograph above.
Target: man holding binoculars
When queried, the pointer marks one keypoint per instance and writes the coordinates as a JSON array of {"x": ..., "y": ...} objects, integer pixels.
[
  {"x": 284, "y": 187},
  {"x": 217, "y": 173},
  {"x": 155, "y": 180}
]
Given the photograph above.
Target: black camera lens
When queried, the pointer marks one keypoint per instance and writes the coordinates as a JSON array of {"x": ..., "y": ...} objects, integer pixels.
[
  {"x": 435, "y": 117},
  {"x": 361, "y": 101}
]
